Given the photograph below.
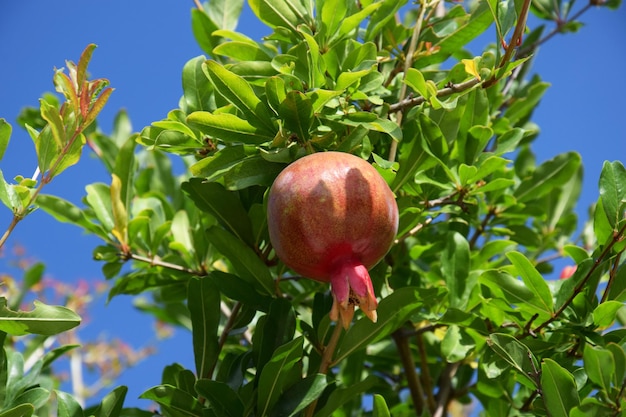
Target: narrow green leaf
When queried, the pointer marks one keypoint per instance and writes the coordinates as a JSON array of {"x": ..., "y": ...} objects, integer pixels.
[
  {"x": 112, "y": 404},
  {"x": 5, "y": 135},
  {"x": 196, "y": 86},
  {"x": 97, "y": 107},
  {"x": 274, "y": 329},
  {"x": 605, "y": 314},
  {"x": 613, "y": 191},
  {"x": 455, "y": 263},
  {"x": 67, "y": 406},
  {"x": 275, "y": 92},
  {"x": 51, "y": 114},
  {"x": 203, "y": 28},
  {"x": 332, "y": 15},
  {"x": 514, "y": 291},
  {"x": 99, "y": 199},
  {"x": 415, "y": 79},
  {"x": 22, "y": 410},
  {"x": 299, "y": 396},
  {"x": 181, "y": 402},
  {"x": 228, "y": 128},
  {"x": 45, "y": 146},
  {"x": 343, "y": 395},
  {"x": 225, "y": 13},
  {"x": 203, "y": 301},
  {"x": 253, "y": 170},
  {"x": 8, "y": 196},
  {"x": 274, "y": 375},
  {"x": 548, "y": 176},
  {"x": 66, "y": 212},
  {"x": 224, "y": 401},
  {"x": 120, "y": 215},
  {"x": 241, "y": 51},
  {"x": 237, "y": 91},
  {"x": 70, "y": 155},
  {"x": 516, "y": 354},
  {"x": 43, "y": 319},
  {"x": 533, "y": 279},
  {"x": 224, "y": 205},
  {"x": 244, "y": 260},
  {"x": 215, "y": 166},
  {"x": 380, "y": 407},
  {"x": 523, "y": 106},
  {"x": 296, "y": 110},
  {"x": 456, "y": 344},
  {"x": 281, "y": 13},
  {"x": 599, "y": 365},
  {"x": 125, "y": 167},
  {"x": 392, "y": 312},
  {"x": 558, "y": 389}
]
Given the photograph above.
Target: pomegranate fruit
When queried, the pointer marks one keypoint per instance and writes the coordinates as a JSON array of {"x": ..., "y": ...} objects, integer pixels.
[{"x": 331, "y": 217}]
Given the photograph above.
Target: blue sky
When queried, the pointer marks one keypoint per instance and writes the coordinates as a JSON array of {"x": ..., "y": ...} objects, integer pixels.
[{"x": 142, "y": 47}]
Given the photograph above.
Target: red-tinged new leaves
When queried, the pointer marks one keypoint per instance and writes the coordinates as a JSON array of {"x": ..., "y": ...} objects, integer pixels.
[
  {"x": 83, "y": 62},
  {"x": 97, "y": 106},
  {"x": 64, "y": 85}
]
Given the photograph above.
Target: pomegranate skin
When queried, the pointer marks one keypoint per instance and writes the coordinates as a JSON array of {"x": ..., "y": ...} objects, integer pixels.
[
  {"x": 327, "y": 208},
  {"x": 331, "y": 217}
]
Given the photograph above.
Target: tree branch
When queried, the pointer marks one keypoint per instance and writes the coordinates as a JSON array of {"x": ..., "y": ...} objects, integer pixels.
[
  {"x": 154, "y": 261},
  {"x": 415, "y": 386}
]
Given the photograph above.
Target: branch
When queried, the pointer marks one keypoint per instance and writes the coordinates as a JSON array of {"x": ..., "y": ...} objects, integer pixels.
[
  {"x": 444, "y": 92},
  {"x": 415, "y": 386},
  {"x": 445, "y": 387},
  {"x": 617, "y": 236},
  {"x": 154, "y": 261}
]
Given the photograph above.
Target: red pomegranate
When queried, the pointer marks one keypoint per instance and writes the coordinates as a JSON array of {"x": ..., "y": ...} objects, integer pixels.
[{"x": 331, "y": 217}]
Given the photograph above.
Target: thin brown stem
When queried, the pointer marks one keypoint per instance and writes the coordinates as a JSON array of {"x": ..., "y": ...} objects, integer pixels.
[
  {"x": 483, "y": 226},
  {"x": 426, "y": 378},
  {"x": 224, "y": 335},
  {"x": 326, "y": 363},
  {"x": 617, "y": 236},
  {"x": 198, "y": 4},
  {"x": 445, "y": 388},
  {"x": 612, "y": 275},
  {"x": 408, "y": 62},
  {"x": 444, "y": 92},
  {"x": 406, "y": 357},
  {"x": 157, "y": 262}
]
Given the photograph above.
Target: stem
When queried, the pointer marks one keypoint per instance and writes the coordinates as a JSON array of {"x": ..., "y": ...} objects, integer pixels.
[
  {"x": 445, "y": 387},
  {"x": 415, "y": 386},
  {"x": 616, "y": 238},
  {"x": 198, "y": 4},
  {"x": 224, "y": 335},
  {"x": 326, "y": 363},
  {"x": 163, "y": 264},
  {"x": 612, "y": 275},
  {"x": 408, "y": 62},
  {"x": 444, "y": 92},
  {"x": 426, "y": 378}
]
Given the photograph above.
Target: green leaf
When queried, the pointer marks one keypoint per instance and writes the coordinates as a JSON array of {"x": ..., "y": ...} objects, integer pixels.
[
  {"x": 36, "y": 396},
  {"x": 548, "y": 176},
  {"x": 99, "y": 199},
  {"x": 224, "y": 205},
  {"x": 112, "y": 403},
  {"x": 228, "y": 128},
  {"x": 50, "y": 113},
  {"x": 225, "y": 13},
  {"x": 455, "y": 264},
  {"x": 5, "y": 135},
  {"x": 253, "y": 170},
  {"x": 456, "y": 344},
  {"x": 204, "y": 308},
  {"x": 125, "y": 168},
  {"x": 224, "y": 401},
  {"x": 516, "y": 354},
  {"x": 196, "y": 86},
  {"x": 521, "y": 108},
  {"x": 66, "y": 212},
  {"x": 67, "y": 406},
  {"x": 242, "y": 51},
  {"x": 244, "y": 260},
  {"x": 414, "y": 155},
  {"x": 43, "y": 319},
  {"x": 281, "y": 13},
  {"x": 299, "y": 396},
  {"x": 296, "y": 111},
  {"x": 558, "y": 389},
  {"x": 599, "y": 365},
  {"x": 380, "y": 407},
  {"x": 343, "y": 395},
  {"x": 274, "y": 329},
  {"x": 274, "y": 374},
  {"x": 514, "y": 291},
  {"x": 353, "y": 21},
  {"x": 22, "y": 410},
  {"x": 613, "y": 191},
  {"x": 175, "y": 399},
  {"x": 533, "y": 279},
  {"x": 215, "y": 166},
  {"x": 604, "y": 315},
  {"x": 415, "y": 79},
  {"x": 237, "y": 91},
  {"x": 392, "y": 311}
]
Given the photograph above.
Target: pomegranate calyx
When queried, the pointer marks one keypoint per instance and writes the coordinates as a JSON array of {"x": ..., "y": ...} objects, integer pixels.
[{"x": 352, "y": 286}]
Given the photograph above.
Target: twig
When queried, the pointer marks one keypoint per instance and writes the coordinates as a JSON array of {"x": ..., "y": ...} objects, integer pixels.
[
  {"x": 444, "y": 92},
  {"x": 408, "y": 62},
  {"x": 612, "y": 275},
  {"x": 616, "y": 238},
  {"x": 413, "y": 231},
  {"x": 157, "y": 262},
  {"x": 445, "y": 387},
  {"x": 483, "y": 225},
  {"x": 426, "y": 378},
  {"x": 415, "y": 386},
  {"x": 198, "y": 4},
  {"x": 326, "y": 363}
]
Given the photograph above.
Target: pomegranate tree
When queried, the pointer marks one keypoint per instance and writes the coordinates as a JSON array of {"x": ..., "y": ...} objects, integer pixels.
[{"x": 331, "y": 217}]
